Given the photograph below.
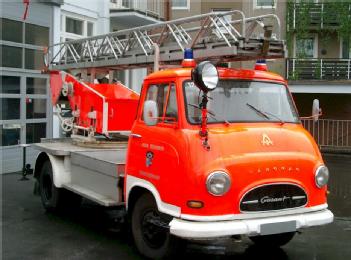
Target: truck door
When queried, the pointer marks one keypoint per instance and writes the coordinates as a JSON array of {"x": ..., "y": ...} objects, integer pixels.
[{"x": 153, "y": 150}]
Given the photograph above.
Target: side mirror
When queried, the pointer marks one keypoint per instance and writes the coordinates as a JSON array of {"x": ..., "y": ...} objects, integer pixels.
[
  {"x": 316, "y": 110},
  {"x": 150, "y": 113},
  {"x": 205, "y": 76}
]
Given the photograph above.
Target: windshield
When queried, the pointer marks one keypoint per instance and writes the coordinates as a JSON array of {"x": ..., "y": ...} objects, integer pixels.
[{"x": 242, "y": 101}]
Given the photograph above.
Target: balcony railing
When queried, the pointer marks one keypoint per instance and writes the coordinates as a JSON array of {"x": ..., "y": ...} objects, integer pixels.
[
  {"x": 321, "y": 15},
  {"x": 153, "y": 8},
  {"x": 318, "y": 69},
  {"x": 330, "y": 134}
]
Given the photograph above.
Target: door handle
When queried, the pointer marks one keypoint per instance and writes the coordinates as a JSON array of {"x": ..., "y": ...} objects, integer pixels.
[{"x": 135, "y": 135}]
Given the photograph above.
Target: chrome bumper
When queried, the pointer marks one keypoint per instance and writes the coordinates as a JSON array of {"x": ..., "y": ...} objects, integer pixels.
[{"x": 205, "y": 230}]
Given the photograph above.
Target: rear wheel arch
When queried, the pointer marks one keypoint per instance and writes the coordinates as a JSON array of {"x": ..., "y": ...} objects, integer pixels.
[
  {"x": 41, "y": 159},
  {"x": 54, "y": 198}
]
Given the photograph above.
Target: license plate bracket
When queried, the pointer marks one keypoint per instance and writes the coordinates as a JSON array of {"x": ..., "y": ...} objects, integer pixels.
[{"x": 279, "y": 227}]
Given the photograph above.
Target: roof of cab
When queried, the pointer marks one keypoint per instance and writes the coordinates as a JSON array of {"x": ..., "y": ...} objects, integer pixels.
[{"x": 223, "y": 73}]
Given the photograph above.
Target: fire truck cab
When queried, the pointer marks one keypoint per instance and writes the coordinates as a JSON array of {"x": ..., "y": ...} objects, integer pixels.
[{"x": 255, "y": 172}]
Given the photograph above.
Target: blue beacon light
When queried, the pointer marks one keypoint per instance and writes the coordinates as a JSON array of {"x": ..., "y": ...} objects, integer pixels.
[{"x": 188, "y": 61}]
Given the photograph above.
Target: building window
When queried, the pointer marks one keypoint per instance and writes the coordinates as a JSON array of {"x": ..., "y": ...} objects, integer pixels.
[
  {"x": 11, "y": 56},
  {"x": 346, "y": 49},
  {"x": 23, "y": 99},
  {"x": 265, "y": 3},
  {"x": 10, "y": 85},
  {"x": 74, "y": 26},
  {"x": 37, "y": 35},
  {"x": 34, "y": 59},
  {"x": 10, "y": 134},
  {"x": 306, "y": 48},
  {"x": 90, "y": 29},
  {"x": 180, "y": 4},
  {"x": 34, "y": 132},
  {"x": 36, "y": 86},
  {"x": 36, "y": 108},
  {"x": 11, "y": 30},
  {"x": 10, "y": 108}
]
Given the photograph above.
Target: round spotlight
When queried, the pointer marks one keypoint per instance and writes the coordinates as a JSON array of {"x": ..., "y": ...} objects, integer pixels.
[{"x": 205, "y": 76}]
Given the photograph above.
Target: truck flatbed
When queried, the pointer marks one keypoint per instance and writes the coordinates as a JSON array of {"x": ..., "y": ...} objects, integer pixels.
[
  {"x": 65, "y": 146},
  {"x": 91, "y": 168}
]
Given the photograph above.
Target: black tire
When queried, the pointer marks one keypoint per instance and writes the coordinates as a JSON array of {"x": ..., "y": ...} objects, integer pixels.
[
  {"x": 151, "y": 241},
  {"x": 276, "y": 240},
  {"x": 53, "y": 198}
]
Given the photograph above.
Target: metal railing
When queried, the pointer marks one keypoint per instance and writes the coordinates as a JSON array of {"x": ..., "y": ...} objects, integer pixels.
[
  {"x": 153, "y": 8},
  {"x": 330, "y": 134},
  {"x": 318, "y": 69},
  {"x": 320, "y": 15}
]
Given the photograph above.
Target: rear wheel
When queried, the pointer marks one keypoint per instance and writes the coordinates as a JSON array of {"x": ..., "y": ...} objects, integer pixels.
[
  {"x": 54, "y": 198},
  {"x": 150, "y": 231},
  {"x": 275, "y": 240}
]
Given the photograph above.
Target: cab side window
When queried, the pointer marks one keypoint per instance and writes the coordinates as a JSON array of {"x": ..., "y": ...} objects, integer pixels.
[
  {"x": 165, "y": 97},
  {"x": 172, "y": 108}
]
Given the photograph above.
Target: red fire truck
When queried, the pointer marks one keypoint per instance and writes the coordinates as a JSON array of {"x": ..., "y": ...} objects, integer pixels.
[{"x": 203, "y": 152}]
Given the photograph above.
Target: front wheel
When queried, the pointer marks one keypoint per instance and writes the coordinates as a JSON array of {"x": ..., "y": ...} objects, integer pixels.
[
  {"x": 151, "y": 235},
  {"x": 276, "y": 240}
]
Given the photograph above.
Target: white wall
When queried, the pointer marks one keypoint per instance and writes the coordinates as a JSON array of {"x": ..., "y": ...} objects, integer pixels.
[
  {"x": 136, "y": 78},
  {"x": 92, "y": 9},
  {"x": 96, "y": 11}
]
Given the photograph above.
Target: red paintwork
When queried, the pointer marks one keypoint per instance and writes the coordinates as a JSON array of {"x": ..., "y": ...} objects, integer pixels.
[
  {"x": 86, "y": 97},
  {"x": 55, "y": 86},
  {"x": 183, "y": 163}
]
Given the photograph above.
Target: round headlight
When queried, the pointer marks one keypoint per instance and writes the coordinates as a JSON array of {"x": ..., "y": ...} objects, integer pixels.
[
  {"x": 218, "y": 183},
  {"x": 205, "y": 76},
  {"x": 321, "y": 176}
]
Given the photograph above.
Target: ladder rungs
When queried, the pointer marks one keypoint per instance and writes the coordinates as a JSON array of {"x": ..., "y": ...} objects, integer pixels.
[{"x": 134, "y": 48}]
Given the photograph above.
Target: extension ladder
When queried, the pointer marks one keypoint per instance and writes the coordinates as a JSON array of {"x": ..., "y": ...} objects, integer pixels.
[{"x": 211, "y": 36}]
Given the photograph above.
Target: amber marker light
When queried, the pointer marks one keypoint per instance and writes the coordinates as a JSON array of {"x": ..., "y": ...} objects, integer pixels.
[{"x": 195, "y": 204}]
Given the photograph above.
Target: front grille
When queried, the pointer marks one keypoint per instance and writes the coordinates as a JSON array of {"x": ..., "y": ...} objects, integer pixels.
[{"x": 273, "y": 197}]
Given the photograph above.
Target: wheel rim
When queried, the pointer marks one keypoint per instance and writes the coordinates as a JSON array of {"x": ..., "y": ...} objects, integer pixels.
[
  {"x": 154, "y": 235},
  {"x": 47, "y": 186}
]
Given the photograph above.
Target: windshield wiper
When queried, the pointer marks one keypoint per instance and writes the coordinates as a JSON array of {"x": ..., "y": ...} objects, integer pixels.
[
  {"x": 265, "y": 114},
  {"x": 211, "y": 114}
]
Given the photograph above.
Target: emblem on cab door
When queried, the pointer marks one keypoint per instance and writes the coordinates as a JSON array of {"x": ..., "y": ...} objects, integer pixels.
[
  {"x": 149, "y": 157},
  {"x": 266, "y": 140}
]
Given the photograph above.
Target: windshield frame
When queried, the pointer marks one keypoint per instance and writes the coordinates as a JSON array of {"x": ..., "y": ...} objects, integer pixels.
[{"x": 289, "y": 96}]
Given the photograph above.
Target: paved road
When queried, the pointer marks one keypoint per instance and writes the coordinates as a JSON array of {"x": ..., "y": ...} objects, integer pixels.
[{"x": 30, "y": 233}]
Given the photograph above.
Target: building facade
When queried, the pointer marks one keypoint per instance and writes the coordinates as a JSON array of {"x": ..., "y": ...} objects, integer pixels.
[
  {"x": 26, "y": 111},
  {"x": 318, "y": 36}
]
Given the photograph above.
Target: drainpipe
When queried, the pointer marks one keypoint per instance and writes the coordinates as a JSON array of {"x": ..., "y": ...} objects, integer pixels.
[{"x": 167, "y": 9}]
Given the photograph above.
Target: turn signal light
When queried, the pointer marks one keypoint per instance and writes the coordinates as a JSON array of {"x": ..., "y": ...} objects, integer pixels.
[{"x": 195, "y": 204}]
